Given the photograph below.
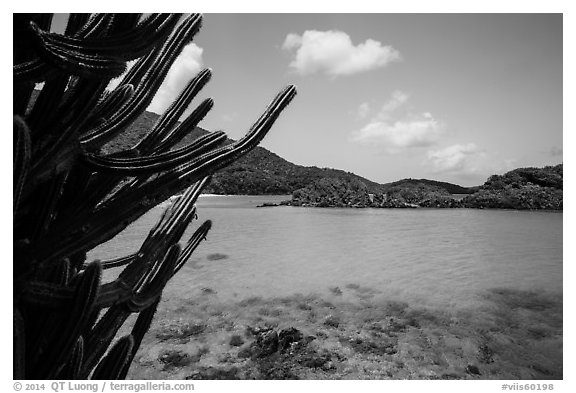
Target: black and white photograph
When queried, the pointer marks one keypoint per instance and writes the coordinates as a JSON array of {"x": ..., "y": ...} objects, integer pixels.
[{"x": 318, "y": 196}]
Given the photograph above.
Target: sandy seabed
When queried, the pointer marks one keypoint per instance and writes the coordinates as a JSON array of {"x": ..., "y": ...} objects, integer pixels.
[{"x": 349, "y": 333}]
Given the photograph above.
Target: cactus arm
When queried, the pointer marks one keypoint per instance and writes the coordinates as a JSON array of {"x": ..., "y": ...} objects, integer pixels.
[
  {"x": 111, "y": 104},
  {"x": 19, "y": 343},
  {"x": 173, "y": 113},
  {"x": 75, "y": 23},
  {"x": 190, "y": 123},
  {"x": 83, "y": 64},
  {"x": 71, "y": 369},
  {"x": 148, "y": 86},
  {"x": 139, "y": 275},
  {"x": 141, "y": 326},
  {"x": 46, "y": 294},
  {"x": 96, "y": 26},
  {"x": 111, "y": 366},
  {"x": 22, "y": 147},
  {"x": 127, "y": 45},
  {"x": 151, "y": 290},
  {"x": 192, "y": 244},
  {"x": 100, "y": 337},
  {"x": 117, "y": 262},
  {"x": 32, "y": 71},
  {"x": 151, "y": 164}
]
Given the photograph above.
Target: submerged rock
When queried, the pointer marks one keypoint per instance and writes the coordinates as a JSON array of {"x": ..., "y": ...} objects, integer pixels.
[
  {"x": 266, "y": 344},
  {"x": 236, "y": 340},
  {"x": 332, "y": 321},
  {"x": 289, "y": 336},
  {"x": 472, "y": 370},
  {"x": 213, "y": 373}
]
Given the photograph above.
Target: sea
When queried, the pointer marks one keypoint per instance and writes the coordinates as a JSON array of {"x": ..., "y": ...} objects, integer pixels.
[{"x": 429, "y": 257}]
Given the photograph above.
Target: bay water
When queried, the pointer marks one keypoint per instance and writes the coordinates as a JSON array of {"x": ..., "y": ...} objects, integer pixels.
[{"x": 431, "y": 257}]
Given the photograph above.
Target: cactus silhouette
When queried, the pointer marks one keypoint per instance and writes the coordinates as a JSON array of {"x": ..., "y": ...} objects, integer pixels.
[{"x": 69, "y": 196}]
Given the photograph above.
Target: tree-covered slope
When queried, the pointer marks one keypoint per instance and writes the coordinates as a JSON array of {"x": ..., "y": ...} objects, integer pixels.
[
  {"x": 451, "y": 188},
  {"x": 522, "y": 188}
]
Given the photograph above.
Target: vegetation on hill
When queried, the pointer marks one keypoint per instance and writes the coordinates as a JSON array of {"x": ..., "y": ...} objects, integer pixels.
[
  {"x": 523, "y": 188},
  {"x": 451, "y": 188},
  {"x": 263, "y": 172},
  {"x": 330, "y": 192}
]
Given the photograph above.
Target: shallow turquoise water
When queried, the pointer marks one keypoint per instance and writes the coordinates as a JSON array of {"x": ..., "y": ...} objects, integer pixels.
[{"x": 433, "y": 257}]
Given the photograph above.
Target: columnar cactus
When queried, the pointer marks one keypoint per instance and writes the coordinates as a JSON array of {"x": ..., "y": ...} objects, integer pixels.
[{"x": 70, "y": 197}]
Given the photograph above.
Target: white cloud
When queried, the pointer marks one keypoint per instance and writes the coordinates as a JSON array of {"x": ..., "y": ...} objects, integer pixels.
[
  {"x": 467, "y": 162},
  {"x": 398, "y": 99},
  {"x": 332, "y": 52},
  {"x": 186, "y": 66},
  {"x": 417, "y": 132},
  {"x": 363, "y": 110},
  {"x": 395, "y": 131},
  {"x": 463, "y": 159}
]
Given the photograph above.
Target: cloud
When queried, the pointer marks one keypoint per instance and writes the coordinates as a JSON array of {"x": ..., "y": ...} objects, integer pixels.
[
  {"x": 395, "y": 130},
  {"x": 186, "y": 66},
  {"x": 363, "y": 110},
  {"x": 456, "y": 159},
  {"x": 333, "y": 53},
  {"x": 467, "y": 162},
  {"x": 398, "y": 99}
]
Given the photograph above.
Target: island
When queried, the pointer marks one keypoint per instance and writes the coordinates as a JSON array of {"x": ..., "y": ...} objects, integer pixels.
[{"x": 521, "y": 189}]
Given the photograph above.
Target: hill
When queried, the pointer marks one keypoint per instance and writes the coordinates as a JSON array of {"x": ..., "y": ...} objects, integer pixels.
[
  {"x": 522, "y": 188},
  {"x": 451, "y": 188},
  {"x": 259, "y": 172}
]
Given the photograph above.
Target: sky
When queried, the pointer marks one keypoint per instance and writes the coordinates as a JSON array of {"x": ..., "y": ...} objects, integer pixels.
[{"x": 450, "y": 97}]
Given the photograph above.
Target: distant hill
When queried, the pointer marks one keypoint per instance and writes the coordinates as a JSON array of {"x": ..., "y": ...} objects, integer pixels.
[{"x": 451, "y": 188}]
